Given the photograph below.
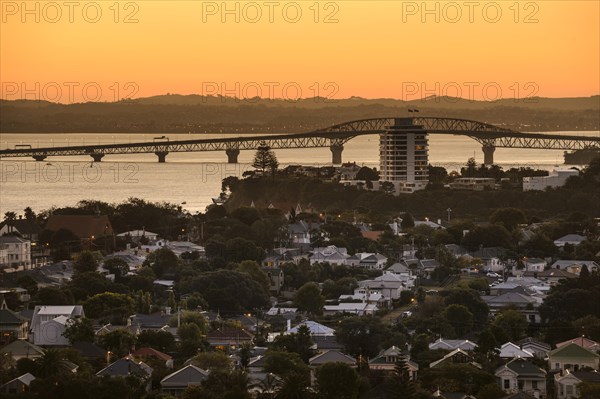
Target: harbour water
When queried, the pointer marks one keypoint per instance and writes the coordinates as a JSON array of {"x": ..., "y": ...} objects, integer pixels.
[{"x": 192, "y": 179}]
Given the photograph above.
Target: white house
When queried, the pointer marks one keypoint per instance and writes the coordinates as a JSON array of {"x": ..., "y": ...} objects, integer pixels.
[
  {"x": 331, "y": 254},
  {"x": 50, "y": 322},
  {"x": 557, "y": 178},
  {"x": 567, "y": 383},
  {"x": 510, "y": 350},
  {"x": 520, "y": 375},
  {"x": 452, "y": 344},
  {"x": 572, "y": 239},
  {"x": 367, "y": 260},
  {"x": 138, "y": 235},
  {"x": 535, "y": 264},
  {"x": 574, "y": 266},
  {"x": 18, "y": 252}
]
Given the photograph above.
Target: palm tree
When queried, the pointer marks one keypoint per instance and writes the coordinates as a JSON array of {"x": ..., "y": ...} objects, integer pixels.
[
  {"x": 295, "y": 386},
  {"x": 270, "y": 386},
  {"x": 52, "y": 363}
]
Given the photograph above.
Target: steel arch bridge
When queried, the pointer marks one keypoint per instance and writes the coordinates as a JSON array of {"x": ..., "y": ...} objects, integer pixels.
[{"x": 334, "y": 137}]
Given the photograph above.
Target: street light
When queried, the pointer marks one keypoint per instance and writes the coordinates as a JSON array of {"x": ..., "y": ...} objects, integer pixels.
[{"x": 448, "y": 210}]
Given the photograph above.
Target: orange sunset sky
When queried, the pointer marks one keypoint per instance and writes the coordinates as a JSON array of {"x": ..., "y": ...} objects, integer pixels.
[{"x": 369, "y": 48}]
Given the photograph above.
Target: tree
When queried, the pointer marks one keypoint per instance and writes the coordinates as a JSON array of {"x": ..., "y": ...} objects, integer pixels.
[
  {"x": 80, "y": 329},
  {"x": 300, "y": 343},
  {"x": 253, "y": 269},
  {"x": 54, "y": 296},
  {"x": 510, "y": 218},
  {"x": 160, "y": 340},
  {"x": 109, "y": 306},
  {"x": 337, "y": 380},
  {"x": 407, "y": 221},
  {"x": 470, "y": 299},
  {"x": 86, "y": 262},
  {"x": 212, "y": 361},
  {"x": 265, "y": 159},
  {"x": 362, "y": 336},
  {"x": 163, "y": 261},
  {"x": 189, "y": 332},
  {"x": 388, "y": 187},
  {"x": 459, "y": 318},
  {"x": 9, "y": 219},
  {"x": 509, "y": 325},
  {"x": 116, "y": 266},
  {"x": 52, "y": 363},
  {"x": 399, "y": 384},
  {"x": 308, "y": 298},
  {"x": 367, "y": 174},
  {"x": 286, "y": 363},
  {"x": 29, "y": 214},
  {"x": 490, "y": 391},
  {"x": 120, "y": 342}
]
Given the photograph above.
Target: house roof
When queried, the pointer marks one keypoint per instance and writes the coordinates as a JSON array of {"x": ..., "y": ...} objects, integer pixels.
[
  {"x": 126, "y": 366},
  {"x": 12, "y": 240},
  {"x": 581, "y": 341},
  {"x": 555, "y": 273},
  {"x": 331, "y": 355},
  {"x": 529, "y": 341},
  {"x": 8, "y": 317},
  {"x": 571, "y": 238},
  {"x": 25, "y": 379},
  {"x": 442, "y": 343},
  {"x": 523, "y": 368},
  {"x": 151, "y": 352},
  {"x": 89, "y": 350},
  {"x": 314, "y": 327},
  {"x": 22, "y": 348},
  {"x": 456, "y": 352},
  {"x": 587, "y": 376},
  {"x": 511, "y": 350},
  {"x": 188, "y": 375},
  {"x": 230, "y": 333},
  {"x": 24, "y": 226},
  {"x": 83, "y": 226},
  {"x": 573, "y": 351}
]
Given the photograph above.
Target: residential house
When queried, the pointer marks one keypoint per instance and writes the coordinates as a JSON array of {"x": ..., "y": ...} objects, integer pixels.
[
  {"x": 138, "y": 236},
  {"x": 276, "y": 278},
  {"x": 323, "y": 336},
  {"x": 571, "y": 239},
  {"x": 364, "y": 294},
  {"x": 151, "y": 353},
  {"x": 17, "y": 385},
  {"x": 229, "y": 338},
  {"x": 389, "y": 284},
  {"x": 452, "y": 344},
  {"x": 278, "y": 256},
  {"x": 175, "y": 383},
  {"x": 525, "y": 304},
  {"x": 438, "y": 394},
  {"x": 366, "y": 260},
  {"x": 18, "y": 253},
  {"x": 49, "y": 323},
  {"x": 12, "y": 325},
  {"x": 572, "y": 357},
  {"x": 331, "y": 254},
  {"x": 575, "y": 266},
  {"x": 20, "y": 349},
  {"x": 567, "y": 383},
  {"x": 557, "y": 178},
  {"x": 329, "y": 356},
  {"x": 510, "y": 350},
  {"x": 355, "y": 308},
  {"x": 551, "y": 276},
  {"x": 491, "y": 258},
  {"x": 300, "y": 233},
  {"x": 91, "y": 352},
  {"x": 520, "y": 375},
  {"x": 582, "y": 341},
  {"x": 456, "y": 356},
  {"x": 386, "y": 361},
  {"x": 126, "y": 367},
  {"x": 402, "y": 268},
  {"x": 534, "y": 264},
  {"x": 538, "y": 348},
  {"x": 27, "y": 229}
]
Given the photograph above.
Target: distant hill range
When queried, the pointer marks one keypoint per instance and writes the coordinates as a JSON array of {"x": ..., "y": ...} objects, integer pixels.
[{"x": 173, "y": 113}]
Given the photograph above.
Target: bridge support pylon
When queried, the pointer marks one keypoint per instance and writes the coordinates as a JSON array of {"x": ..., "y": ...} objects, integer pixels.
[
  {"x": 162, "y": 156},
  {"x": 336, "y": 153},
  {"x": 39, "y": 158},
  {"x": 488, "y": 154},
  {"x": 97, "y": 157},
  {"x": 232, "y": 155}
]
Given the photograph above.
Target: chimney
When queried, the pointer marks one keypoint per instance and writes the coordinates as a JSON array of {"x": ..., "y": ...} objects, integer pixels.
[
  {"x": 168, "y": 310},
  {"x": 289, "y": 325}
]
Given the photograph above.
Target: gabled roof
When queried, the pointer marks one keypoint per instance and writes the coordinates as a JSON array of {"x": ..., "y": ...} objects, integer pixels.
[
  {"x": 12, "y": 240},
  {"x": 523, "y": 368},
  {"x": 83, "y": 226},
  {"x": 529, "y": 341},
  {"x": 23, "y": 226},
  {"x": 587, "y": 376},
  {"x": 126, "y": 366},
  {"x": 331, "y": 356},
  {"x": 22, "y": 348},
  {"x": 451, "y": 344},
  {"x": 573, "y": 351},
  {"x": 456, "y": 352},
  {"x": 25, "y": 379},
  {"x": 571, "y": 238},
  {"x": 314, "y": 328},
  {"x": 89, "y": 350},
  {"x": 230, "y": 333},
  {"x": 8, "y": 317},
  {"x": 151, "y": 352},
  {"x": 511, "y": 350},
  {"x": 581, "y": 341},
  {"x": 188, "y": 375}
]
